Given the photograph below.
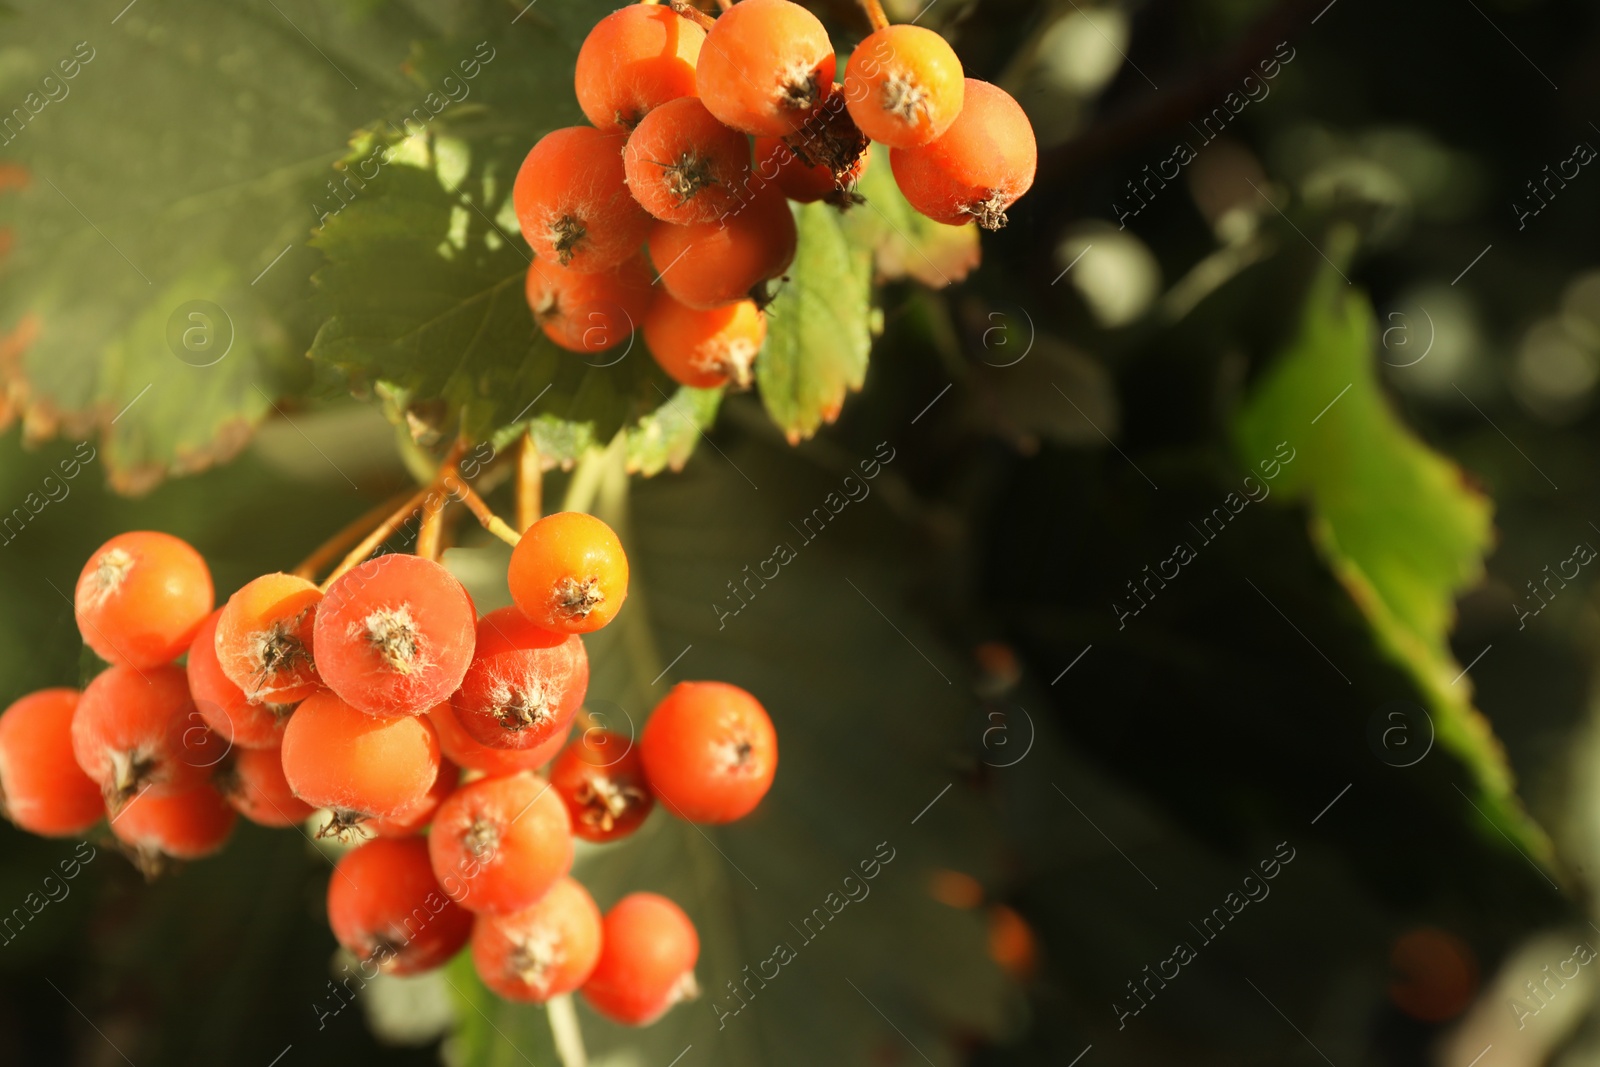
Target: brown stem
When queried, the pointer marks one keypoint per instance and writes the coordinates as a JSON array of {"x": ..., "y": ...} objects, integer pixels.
[
  {"x": 530, "y": 483},
  {"x": 693, "y": 14},
  {"x": 875, "y": 15},
  {"x": 329, "y": 550},
  {"x": 484, "y": 514},
  {"x": 430, "y": 534},
  {"x": 379, "y": 535}
]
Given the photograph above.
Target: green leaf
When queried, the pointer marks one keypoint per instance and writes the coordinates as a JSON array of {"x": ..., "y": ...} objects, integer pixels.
[
  {"x": 1397, "y": 523},
  {"x": 904, "y": 242},
  {"x": 136, "y": 211},
  {"x": 818, "y": 327}
]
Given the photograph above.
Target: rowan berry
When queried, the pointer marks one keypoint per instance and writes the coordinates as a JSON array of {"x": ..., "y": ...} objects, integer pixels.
[
  {"x": 635, "y": 59},
  {"x": 253, "y": 782},
  {"x": 498, "y": 844},
  {"x": 141, "y": 597},
  {"x": 830, "y": 138},
  {"x": 765, "y": 65},
  {"x": 386, "y": 907},
  {"x": 42, "y": 788},
  {"x": 684, "y": 166},
  {"x": 710, "y": 264},
  {"x": 542, "y": 951},
  {"x": 394, "y": 635},
  {"x": 977, "y": 168},
  {"x": 224, "y": 706},
  {"x": 589, "y": 312},
  {"x": 361, "y": 766},
  {"x": 601, "y": 780},
  {"x": 138, "y": 731},
  {"x": 709, "y": 752},
  {"x": 459, "y": 747},
  {"x": 525, "y": 683},
  {"x": 177, "y": 826},
  {"x": 705, "y": 348},
  {"x": 572, "y": 201},
  {"x": 569, "y": 573},
  {"x": 264, "y": 639},
  {"x": 414, "y": 819},
  {"x": 904, "y": 86},
  {"x": 804, "y": 183},
  {"x": 647, "y": 957}
]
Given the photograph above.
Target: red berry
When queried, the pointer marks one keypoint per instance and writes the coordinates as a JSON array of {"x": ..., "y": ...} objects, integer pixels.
[
  {"x": 977, "y": 168},
  {"x": 394, "y": 635},
  {"x": 714, "y": 263},
  {"x": 705, "y": 348},
  {"x": 569, "y": 573},
  {"x": 224, "y": 707},
  {"x": 459, "y": 746},
  {"x": 42, "y": 788},
  {"x": 361, "y": 766},
  {"x": 764, "y": 66},
  {"x": 498, "y": 844},
  {"x": 140, "y": 598},
  {"x": 134, "y": 732},
  {"x": 806, "y": 184},
  {"x": 634, "y": 60},
  {"x": 184, "y": 826},
  {"x": 386, "y": 907},
  {"x": 525, "y": 683},
  {"x": 601, "y": 781},
  {"x": 572, "y": 201},
  {"x": 647, "y": 957},
  {"x": 414, "y": 820},
  {"x": 254, "y": 783},
  {"x": 542, "y": 951},
  {"x": 709, "y": 752},
  {"x": 588, "y": 312},
  {"x": 684, "y": 166},
  {"x": 904, "y": 86},
  {"x": 263, "y": 641}
]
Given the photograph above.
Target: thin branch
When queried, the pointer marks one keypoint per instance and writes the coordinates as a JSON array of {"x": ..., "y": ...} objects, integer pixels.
[
  {"x": 485, "y": 514},
  {"x": 875, "y": 15},
  {"x": 530, "y": 483},
  {"x": 693, "y": 14},
  {"x": 330, "y": 549}
]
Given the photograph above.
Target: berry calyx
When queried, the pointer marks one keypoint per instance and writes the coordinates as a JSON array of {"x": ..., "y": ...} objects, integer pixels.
[
  {"x": 904, "y": 86},
  {"x": 498, "y": 844},
  {"x": 264, "y": 639},
  {"x": 542, "y": 951},
  {"x": 633, "y": 61},
  {"x": 647, "y": 957},
  {"x": 803, "y": 182},
  {"x": 141, "y": 597},
  {"x": 524, "y": 685},
  {"x": 394, "y": 635},
  {"x": 569, "y": 573},
  {"x": 158, "y": 828},
  {"x": 253, "y": 782},
  {"x": 589, "y": 312},
  {"x": 709, "y": 752},
  {"x": 459, "y": 747},
  {"x": 224, "y": 706},
  {"x": 710, "y": 264},
  {"x": 705, "y": 348},
  {"x": 765, "y": 65},
  {"x": 601, "y": 780},
  {"x": 135, "y": 732},
  {"x": 572, "y": 201},
  {"x": 386, "y": 907},
  {"x": 360, "y": 766},
  {"x": 684, "y": 166},
  {"x": 830, "y": 138},
  {"x": 977, "y": 168},
  {"x": 42, "y": 788}
]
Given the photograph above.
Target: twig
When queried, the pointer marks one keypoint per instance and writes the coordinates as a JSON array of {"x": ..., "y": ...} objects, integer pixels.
[
  {"x": 329, "y": 550},
  {"x": 693, "y": 14},
  {"x": 530, "y": 483},
  {"x": 485, "y": 514},
  {"x": 875, "y": 15},
  {"x": 378, "y": 536},
  {"x": 430, "y": 534},
  {"x": 564, "y": 1028}
]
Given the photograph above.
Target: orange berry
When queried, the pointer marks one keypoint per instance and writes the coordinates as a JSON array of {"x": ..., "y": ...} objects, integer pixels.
[
  {"x": 253, "y": 782},
  {"x": 978, "y": 168},
  {"x": 705, "y": 348},
  {"x": 684, "y": 166},
  {"x": 765, "y": 65},
  {"x": 224, "y": 706},
  {"x": 776, "y": 162},
  {"x": 141, "y": 597},
  {"x": 460, "y": 747},
  {"x": 714, "y": 263},
  {"x": 904, "y": 86},
  {"x": 588, "y": 312},
  {"x": 183, "y": 826},
  {"x": 264, "y": 639},
  {"x": 43, "y": 789},
  {"x": 647, "y": 957},
  {"x": 633, "y": 61},
  {"x": 569, "y": 573},
  {"x": 572, "y": 201},
  {"x": 542, "y": 951},
  {"x": 710, "y": 752}
]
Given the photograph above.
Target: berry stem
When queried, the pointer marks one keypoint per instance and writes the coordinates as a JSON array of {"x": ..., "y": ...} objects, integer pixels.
[
  {"x": 530, "y": 483},
  {"x": 330, "y": 549},
  {"x": 875, "y": 15},
  {"x": 692, "y": 13},
  {"x": 377, "y": 536},
  {"x": 566, "y": 1031},
  {"x": 485, "y": 515},
  {"x": 430, "y": 535}
]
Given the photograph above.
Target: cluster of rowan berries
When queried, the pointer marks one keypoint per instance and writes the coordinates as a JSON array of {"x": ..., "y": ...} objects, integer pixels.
[
  {"x": 382, "y": 698},
  {"x": 674, "y": 99}
]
